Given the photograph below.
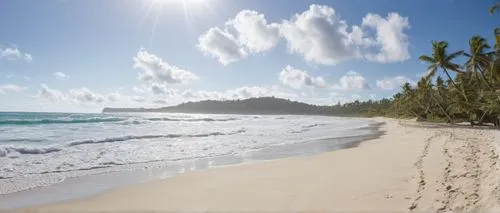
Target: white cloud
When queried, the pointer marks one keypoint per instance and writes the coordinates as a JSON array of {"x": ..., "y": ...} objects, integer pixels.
[
  {"x": 52, "y": 95},
  {"x": 391, "y": 39},
  {"x": 319, "y": 35},
  {"x": 230, "y": 94},
  {"x": 221, "y": 45},
  {"x": 352, "y": 81},
  {"x": 297, "y": 79},
  {"x": 154, "y": 69},
  {"x": 256, "y": 91},
  {"x": 14, "y": 54},
  {"x": 140, "y": 89},
  {"x": 114, "y": 96},
  {"x": 247, "y": 33},
  {"x": 28, "y": 57},
  {"x": 85, "y": 96},
  {"x": 10, "y": 88},
  {"x": 60, "y": 75},
  {"x": 161, "y": 89},
  {"x": 253, "y": 32},
  {"x": 390, "y": 83},
  {"x": 139, "y": 99},
  {"x": 160, "y": 101},
  {"x": 202, "y": 95}
]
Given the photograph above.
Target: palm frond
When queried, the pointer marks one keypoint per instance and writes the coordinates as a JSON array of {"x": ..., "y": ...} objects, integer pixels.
[
  {"x": 454, "y": 55},
  {"x": 431, "y": 71},
  {"x": 495, "y": 7},
  {"x": 426, "y": 58}
]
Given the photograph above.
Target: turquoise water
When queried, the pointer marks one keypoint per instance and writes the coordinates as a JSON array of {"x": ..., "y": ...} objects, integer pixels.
[{"x": 41, "y": 149}]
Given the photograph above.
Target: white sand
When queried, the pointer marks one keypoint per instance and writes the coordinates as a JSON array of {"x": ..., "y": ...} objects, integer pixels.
[{"x": 410, "y": 168}]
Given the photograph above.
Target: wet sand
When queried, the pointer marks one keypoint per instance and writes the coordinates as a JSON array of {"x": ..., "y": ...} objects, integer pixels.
[{"x": 412, "y": 167}]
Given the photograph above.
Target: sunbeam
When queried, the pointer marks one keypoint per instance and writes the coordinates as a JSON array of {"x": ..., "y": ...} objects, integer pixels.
[{"x": 157, "y": 7}]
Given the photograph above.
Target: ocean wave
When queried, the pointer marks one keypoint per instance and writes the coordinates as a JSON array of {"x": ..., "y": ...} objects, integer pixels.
[
  {"x": 312, "y": 125},
  {"x": 57, "y": 121},
  {"x": 139, "y": 137},
  {"x": 193, "y": 119},
  {"x": 22, "y": 140},
  {"x": 27, "y": 150}
]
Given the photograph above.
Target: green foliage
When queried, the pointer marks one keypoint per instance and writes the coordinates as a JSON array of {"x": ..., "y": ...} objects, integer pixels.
[{"x": 473, "y": 95}]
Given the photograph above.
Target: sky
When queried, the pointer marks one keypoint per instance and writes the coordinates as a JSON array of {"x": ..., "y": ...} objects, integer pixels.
[{"x": 83, "y": 55}]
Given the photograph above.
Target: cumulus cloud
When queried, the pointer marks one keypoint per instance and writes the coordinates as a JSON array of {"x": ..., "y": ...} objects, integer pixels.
[
  {"x": 155, "y": 70},
  {"x": 52, "y": 95},
  {"x": 114, "y": 96},
  {"x": 248, "y": 32},
  {"x": 256, "y": 91},
  {"x": 297, "y": 79},
  {"x": 390, "y": 83},
  {"x": 160, "y": 101},
  {"x": 161, "y": 89},
  {"x": 60, "y": 75},
  {"x": 318, "y": 34},
  {"x": 202, "y": 95},
  {"x": 27, "y": 57},
  {"x": 85, "y": 96},
  {"x": 391, "y": 41},
  {"x": 230, "y": 94},
  {"x": 139, "y": 99},
  {"x": 352, "y": 81},
  {"x": 221, "y": 45},
  {"x": 14, "y": 54},
  {"x": 10, "y": 88},
  {"x": 253, "y": 32},
  {"x": 140, "y": 89}
]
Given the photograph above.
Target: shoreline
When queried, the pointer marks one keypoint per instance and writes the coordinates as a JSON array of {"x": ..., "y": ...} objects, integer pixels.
[
  {"x": 83, "y": 187},
  {"x": 409, "y": 168}
]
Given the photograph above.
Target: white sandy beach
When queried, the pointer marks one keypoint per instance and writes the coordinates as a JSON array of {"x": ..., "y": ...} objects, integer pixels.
[{"x": 410, "y": 168}]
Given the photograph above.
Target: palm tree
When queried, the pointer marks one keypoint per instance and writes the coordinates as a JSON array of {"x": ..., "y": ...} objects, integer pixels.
[
  {"x": 441, "y": 98},
  {"x": 441, "y": 59},
  {"x": 478, "y": 59},
  {"x": 495, "y": 7}
]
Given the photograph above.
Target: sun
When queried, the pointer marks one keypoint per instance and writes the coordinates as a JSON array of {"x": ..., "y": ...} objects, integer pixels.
[{"x": 189, "y": 8}]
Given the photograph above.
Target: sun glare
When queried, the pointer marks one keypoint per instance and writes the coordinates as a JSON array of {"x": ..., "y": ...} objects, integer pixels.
[
  {"x": 178, "y": 1},
  {"x": 189, "y": 8}
]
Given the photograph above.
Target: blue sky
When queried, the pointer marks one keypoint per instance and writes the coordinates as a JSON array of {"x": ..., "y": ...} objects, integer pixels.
[{"x": 76, "y": 55}]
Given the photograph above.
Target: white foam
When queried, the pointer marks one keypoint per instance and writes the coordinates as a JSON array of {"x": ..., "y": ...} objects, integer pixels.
[{"x": 52, "y": 153}]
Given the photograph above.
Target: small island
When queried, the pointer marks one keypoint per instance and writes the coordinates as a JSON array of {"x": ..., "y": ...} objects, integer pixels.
[{"x": 269, "y": 106}]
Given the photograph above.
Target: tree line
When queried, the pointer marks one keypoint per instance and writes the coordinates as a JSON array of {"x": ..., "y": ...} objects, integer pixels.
[{"x": 473, "y": 95}]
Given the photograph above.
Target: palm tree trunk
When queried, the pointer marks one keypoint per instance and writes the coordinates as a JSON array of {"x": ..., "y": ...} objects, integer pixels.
[
  {"x": 445, "y": 113},
  {"x": 455, "y": 85},
  {"x": 481, "y": 120},
  {"x": 442, "y": 108},
  {"x": 483, "y": 78}
]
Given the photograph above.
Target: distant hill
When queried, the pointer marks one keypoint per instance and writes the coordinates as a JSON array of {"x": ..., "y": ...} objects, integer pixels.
[{"x": 266, "y": 105}]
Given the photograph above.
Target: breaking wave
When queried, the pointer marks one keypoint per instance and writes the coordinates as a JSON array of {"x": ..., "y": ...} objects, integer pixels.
[
  {"x": 192, "y": 119},
  {"x": 57, "y": 121},
  {"x": 138, "y": 137},
  {"x": 27, "y": 150}
]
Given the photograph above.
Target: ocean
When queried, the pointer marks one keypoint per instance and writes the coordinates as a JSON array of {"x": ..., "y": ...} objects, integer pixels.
[{"x": 39, "y": 150}]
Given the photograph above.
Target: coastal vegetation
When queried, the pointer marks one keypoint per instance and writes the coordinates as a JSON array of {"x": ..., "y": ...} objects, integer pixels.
[
  {"x": 473, "y": 95},
  {"x": 469, "y": 91}
]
